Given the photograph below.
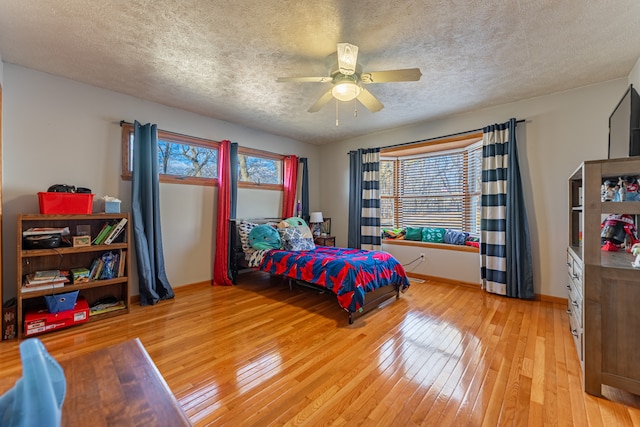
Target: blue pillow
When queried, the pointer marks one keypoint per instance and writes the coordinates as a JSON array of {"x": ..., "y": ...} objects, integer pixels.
[
  {"x": 264, "y": 237},
  {"x": 455, "y": 237}
]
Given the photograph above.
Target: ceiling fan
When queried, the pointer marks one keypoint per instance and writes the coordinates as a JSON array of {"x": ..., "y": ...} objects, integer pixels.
[{"x": 348, "y": 80}]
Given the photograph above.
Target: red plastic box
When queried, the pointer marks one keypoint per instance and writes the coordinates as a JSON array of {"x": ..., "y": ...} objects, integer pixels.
[
  {"x": 65, "y": 203},
  {"x": 40, "y": 321}
]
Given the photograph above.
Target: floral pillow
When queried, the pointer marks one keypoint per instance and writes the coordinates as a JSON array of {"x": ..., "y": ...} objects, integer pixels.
[
  {"x": 433, "y": 235},
  {"x": 296, "y": 239},
  {"x": 244, "y": 228}
]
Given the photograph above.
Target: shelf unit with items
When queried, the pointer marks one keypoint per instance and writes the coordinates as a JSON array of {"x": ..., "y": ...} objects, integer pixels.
[
  {"x": 603, "y": 286},
  {"x": 67, "y": 258}
]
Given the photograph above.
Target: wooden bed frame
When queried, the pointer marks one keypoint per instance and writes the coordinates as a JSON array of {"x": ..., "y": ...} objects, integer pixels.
[{"x": 237, "y": 262}]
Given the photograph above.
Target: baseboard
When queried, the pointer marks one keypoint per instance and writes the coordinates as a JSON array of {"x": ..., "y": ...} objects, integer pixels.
[
  {"x": 135, "y": 299},
  {"x": 443, "y": 280},
  {"x": 538, "y": 297}
]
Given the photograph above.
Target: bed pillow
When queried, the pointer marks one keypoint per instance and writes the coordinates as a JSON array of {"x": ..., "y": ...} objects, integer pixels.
[
  {"x": 296, "y": 239},
  {"x": 455, "y": 237},
  {"x": 433, "y": 235},
  {"x": 413, "y": 233},
  {"x": 264, "y": 237},
  {"x": 244, "y": 228},
  {"x": 294, "y": 221}
]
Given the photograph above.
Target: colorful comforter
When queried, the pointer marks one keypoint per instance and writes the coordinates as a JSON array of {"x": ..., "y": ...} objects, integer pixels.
[{"x": 349, "y": 273}]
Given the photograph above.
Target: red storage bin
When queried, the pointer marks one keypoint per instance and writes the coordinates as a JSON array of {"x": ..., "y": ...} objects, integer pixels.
[{"x": 65, "y": 203}]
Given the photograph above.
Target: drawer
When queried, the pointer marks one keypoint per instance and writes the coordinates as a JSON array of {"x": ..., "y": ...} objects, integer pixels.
[
  {"x": 570, "y": 262},
  {"x": 575, "y": 307},
  {"x": 576, "y": 332},
  {"x": 576, "y": 273}
]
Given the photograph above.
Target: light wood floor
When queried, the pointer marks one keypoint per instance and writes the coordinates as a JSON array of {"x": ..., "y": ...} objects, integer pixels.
[{"x": 259, "y": 354}]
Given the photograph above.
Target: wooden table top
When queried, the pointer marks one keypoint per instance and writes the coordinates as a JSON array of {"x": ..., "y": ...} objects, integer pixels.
[{"x": 118, "y": 386}]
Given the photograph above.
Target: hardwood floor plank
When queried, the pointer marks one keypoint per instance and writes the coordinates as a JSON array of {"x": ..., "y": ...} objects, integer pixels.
[{"x": 260, "y": 354}]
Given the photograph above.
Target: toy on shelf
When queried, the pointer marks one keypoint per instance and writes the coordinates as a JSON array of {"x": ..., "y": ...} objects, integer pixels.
[
  {"x": 635, "y": 250},
  {"x": 630, "y": 189},
  {"x": 618, "y": 230},
  {"x": 610, "y": 191}
]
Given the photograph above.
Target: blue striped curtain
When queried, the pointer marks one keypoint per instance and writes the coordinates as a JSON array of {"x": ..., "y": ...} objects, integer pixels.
[
  {"x": 504, "y": 231},
  {"x": 364, "y": 199}
]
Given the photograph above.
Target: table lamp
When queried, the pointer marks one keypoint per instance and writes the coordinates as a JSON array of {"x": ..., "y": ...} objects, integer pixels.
[{"x": 315, "y": 219}]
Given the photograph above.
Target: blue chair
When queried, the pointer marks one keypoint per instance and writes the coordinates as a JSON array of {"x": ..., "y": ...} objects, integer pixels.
[{"x": 36, "y": 398}]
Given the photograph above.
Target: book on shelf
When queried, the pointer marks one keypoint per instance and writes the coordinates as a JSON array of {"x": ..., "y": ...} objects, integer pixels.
[
  {"x": 122, "y": 259},
  {"x": 46, "y": 274},
  {"x": 36, "y": 231},
  {"x": 115, "y": 231},
  {"x": 30, "y": 281},
  {"x": 47, "y": 286},
  {"x": 106, "y": 308},
  {"x": 98, "y": 270},
  {"x": 104, "y": 232}
]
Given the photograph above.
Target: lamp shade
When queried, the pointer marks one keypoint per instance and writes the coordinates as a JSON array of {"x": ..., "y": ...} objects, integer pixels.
[
  {"x": 346, "y": 91},
  {"x": 315, "y": 217}
]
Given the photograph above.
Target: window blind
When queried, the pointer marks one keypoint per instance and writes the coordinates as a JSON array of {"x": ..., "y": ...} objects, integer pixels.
[{"x": 436, "y": 189}]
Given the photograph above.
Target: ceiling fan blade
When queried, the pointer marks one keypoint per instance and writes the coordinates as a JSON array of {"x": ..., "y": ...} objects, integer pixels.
[
  {"x": 368, "y": 100},
  {"x": 304, "y": 79},
  {"x": 321, "y": 102},
  {"x": 406, "y": 75}
]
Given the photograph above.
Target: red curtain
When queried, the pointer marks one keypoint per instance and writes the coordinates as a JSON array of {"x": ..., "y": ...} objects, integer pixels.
[
  {"x": 221, "y": 259},
  {"x": 290, "y": 165}
]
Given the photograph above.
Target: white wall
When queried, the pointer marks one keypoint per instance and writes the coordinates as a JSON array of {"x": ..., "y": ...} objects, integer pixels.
[
  {"x": 561, "y": 130},
  {"x": 634, "y": 76},
  {"x": 58, "y": 131},
  {"x": 458, "y": 266}
]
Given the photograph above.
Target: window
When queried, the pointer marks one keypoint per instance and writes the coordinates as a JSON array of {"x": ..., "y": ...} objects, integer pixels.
[
  {"x": 433, "y": 185},
  {"x": 181, "y": 159},
  {"x": 259, "y": 169}
]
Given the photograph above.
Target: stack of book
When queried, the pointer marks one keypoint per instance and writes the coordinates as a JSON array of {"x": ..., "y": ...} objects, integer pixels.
[
  {"x": 108, "y": 266},
  {"x": 106, "y": 307},
  {"x": 36, "y": 231},
  {"x": 45, "y": 279},
  {"x": 109, "y": 232}
]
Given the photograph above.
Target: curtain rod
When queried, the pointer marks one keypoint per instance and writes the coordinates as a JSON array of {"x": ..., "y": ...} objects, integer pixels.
[
  {"x": 437, "y": 137},
  {"x": 124, "y": 122}
]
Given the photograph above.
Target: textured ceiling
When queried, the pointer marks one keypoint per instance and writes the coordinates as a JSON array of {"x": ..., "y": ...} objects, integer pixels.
[{"x": 221, "y": 58}]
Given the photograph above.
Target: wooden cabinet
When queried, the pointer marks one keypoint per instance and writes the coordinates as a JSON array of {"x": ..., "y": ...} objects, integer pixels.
[
  {"x": 325, "y": 240},
  {"x": 68, "y": 257},
  {"x": 603, "y": 287}
]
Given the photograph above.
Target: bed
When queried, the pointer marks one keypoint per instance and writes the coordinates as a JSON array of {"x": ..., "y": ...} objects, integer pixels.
[{"x": 361, "y": 280}]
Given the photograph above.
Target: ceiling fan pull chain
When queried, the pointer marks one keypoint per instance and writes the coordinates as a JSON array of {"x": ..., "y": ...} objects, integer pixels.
[
  {"x": 337, "y": 121},
  {"x": 355, "y": 108}
]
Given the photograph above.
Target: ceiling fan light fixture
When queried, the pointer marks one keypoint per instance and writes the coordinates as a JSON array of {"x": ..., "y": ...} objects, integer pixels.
[
  {"x": 347, "y": 58},
  {"x": 346, "y": 91}
]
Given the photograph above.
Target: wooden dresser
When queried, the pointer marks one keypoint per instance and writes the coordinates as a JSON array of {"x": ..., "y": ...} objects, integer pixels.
[{"x": 603, "y": 287}]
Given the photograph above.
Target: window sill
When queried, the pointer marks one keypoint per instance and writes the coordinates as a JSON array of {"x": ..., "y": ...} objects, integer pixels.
[{"x": 445, "y": 246}]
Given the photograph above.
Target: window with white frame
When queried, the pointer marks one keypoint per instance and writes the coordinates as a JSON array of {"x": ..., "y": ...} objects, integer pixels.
[{"x": 433, "y": 185}]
